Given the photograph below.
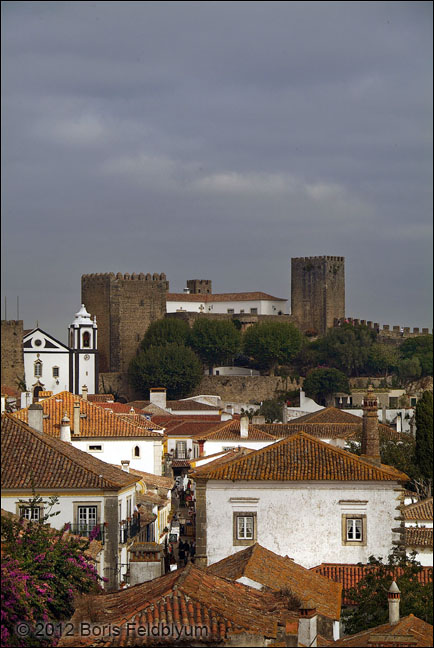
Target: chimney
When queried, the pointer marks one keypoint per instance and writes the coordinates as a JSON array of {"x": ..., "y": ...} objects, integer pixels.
[
  {"x": 244, "y": 427},
  {"x": 3, "y": 403},
  {"x": 285, "y": 413},
  {"x": 370, "y": 435},
  {"x": 35, "y": 417},
  {"x": 157, "y": 396},
  {"x": 399, "y": 422},
  {"x": 65, "y": 429},
  {"x": 84, "y": 391},
  {"x": 393, "y": 596},
  {"x": 26, "y": 399},
  {"x": 125, "y": 463},
  {"x": 307, "y": 624},
  {"x": 76, "y": 428}
]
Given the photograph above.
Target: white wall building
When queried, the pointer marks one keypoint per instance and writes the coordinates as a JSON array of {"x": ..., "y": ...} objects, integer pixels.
[
  {"x": 248, "y": 303},
  {"x": 419, "y": 530},
  {"x": 50, "y": 365}
]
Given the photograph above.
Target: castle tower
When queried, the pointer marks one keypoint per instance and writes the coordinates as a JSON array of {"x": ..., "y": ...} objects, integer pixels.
[
  {"x": 83, "y": 344},
  {"x": 12, "y": 361},
  {"x": 317, "y": 291},
  {"x": 124, "y": 305},
  {"x": 199, "y": 286}
]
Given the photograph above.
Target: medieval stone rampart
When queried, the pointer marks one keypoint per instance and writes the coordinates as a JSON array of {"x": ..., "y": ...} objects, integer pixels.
[
  {"x": 12, "y": 359},
  {"x": 245, "y": 388},
  {"x": 125, "y": 305},
  {"x": 384, "y": 331}
]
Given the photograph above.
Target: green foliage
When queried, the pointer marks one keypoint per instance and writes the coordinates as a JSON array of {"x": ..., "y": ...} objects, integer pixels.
[
  {"x": 346, "y": 348},
  {"x": 172, "y": 366},
  {"x": 382, "y": 359},
  {"x": 166, "y": 331},
  {"x": 272, "y": 343},
  {"x": 409, "y": 369},
  {"x": 215, "y": 341},
  {"x": 320, "y": 384},
  {"x": 272, "y": 410},
  {"x": 420, "y": 348},
  {"x": 424, "y": 436},
  {"x": 370, "y": 594}
]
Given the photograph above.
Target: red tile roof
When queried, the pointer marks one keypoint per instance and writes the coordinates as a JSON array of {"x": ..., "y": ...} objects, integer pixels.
[
  {"x": 350, "y": 575},
  {"x": 221, "y": 458},
  {"x": 96, "y": 422},
  {"x": 100, "y": 398},
  {"x": 422, "y": 510},
  {"x": 230, "y": 431},
  {"x": 177, "y": 405},
  {"x": 278, "y": 573},
  {"x": 191, "y": 597},
  {"x": 222, "y": 297},
  {"x": 303, "y": 457},
  {"x": 418, "y": 537},
  {"x": 186, "y": 428},
  {"x": 34, "y": 460},
  {"x": 329, "y": 423},
  {"x": 154, "y": 480},
  {"x": 409, "y": 631},
  {"x": 117, "y": 408}
]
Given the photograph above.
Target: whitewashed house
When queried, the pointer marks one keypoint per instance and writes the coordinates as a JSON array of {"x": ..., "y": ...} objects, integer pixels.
[
  {"x": 94, "y": 430},
  {"x": 231, "y": 434},
  {"x": 303, "y": 498},
  {"x": 50, "y": 365},
  {"x": 93, "y": 496},
  {"x": 251, "y": 303}
]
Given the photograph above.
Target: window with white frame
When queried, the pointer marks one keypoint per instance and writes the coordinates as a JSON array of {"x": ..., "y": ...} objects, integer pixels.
[
  {"x": 55, "y": 372},
  {"x": 32, "y": 513},
  {"x": 181, "y": 449},
  {"x": 38, "y": 369},
  {"x": 354, "y": 529},
  {"x": 244, "y": 531},
  {"x": 86, "y": 518}
]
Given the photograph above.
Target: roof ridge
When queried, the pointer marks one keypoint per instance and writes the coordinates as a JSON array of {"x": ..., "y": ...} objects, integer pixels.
[{"x": 52, "y": 443}]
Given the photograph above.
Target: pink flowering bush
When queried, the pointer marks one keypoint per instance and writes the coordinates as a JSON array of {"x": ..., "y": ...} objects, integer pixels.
[{"x": 42, "y": 570}]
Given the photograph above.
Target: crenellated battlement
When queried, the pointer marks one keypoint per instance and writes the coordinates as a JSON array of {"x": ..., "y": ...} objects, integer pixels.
[
  {"x": 319, "y": 259},
  {"x": 111, "y": 276},
  {"x": 384, "y": 329}
]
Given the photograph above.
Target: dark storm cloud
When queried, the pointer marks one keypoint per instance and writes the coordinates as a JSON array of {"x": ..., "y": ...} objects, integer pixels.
[{"x": 217, "y": 140}]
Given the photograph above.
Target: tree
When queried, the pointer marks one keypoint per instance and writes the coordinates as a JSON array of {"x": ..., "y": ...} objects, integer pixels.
[
  {"x": 172, "y": 366},
  {"x": 409, "y": 369},
  {"x": 214, "y": 341},
  {"x": 320, "y": 384},
  {"x": 420, "y": 347},
  {"x": 272, "y": 410},
  {"x": 272, "y": 343},
  {"x": 370, "y": 594},
  {"x": 424, "y": 438},
  {"x": 346, "y": 348},
  {"x": 166, "y": 331},
  {"x": 42, "y": 570},
  {"x": 382, "y": 359}
]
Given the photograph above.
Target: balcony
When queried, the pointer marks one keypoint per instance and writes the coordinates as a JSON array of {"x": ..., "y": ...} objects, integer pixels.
[
  {"x": 129, "y": 529},
  {"x": 90, "y": 531}
]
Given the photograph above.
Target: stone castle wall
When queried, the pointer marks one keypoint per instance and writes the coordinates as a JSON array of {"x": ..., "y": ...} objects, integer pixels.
[
  {"x": 125, "y": 305},
  {"x": 12, "y": 359},
  {"x": 386, "y": 333},
  {"x": 317, "y": 291},
  {"x": 245, "y": 388}
]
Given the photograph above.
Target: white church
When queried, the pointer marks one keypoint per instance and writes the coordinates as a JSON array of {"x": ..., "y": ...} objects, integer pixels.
[{"x": 50, "y": 365}]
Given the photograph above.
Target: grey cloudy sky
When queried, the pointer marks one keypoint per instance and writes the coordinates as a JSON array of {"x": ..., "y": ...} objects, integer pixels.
[{"x": 217, "y": 140}]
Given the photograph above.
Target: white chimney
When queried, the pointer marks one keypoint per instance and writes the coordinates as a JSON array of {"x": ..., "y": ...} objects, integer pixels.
[
  {"x": 125, "y": 463},
  {"x": 308, "y": 624},
  {"x": 244, "y": 427},
  {"x": 84, "y": 391},
  {"x": 3, "y": 403},
  {"x": 26, "y": 399},
  {"x": 285, "y": 413},
  {"x": 65, "y": 429},
  {"x": 399, "y": 422},
  {"x": 76, "y": 427},
  {"x": 394, "y": 596},
  {"x": 157, "y": 396},
  {"x": 35, "y": 417}
]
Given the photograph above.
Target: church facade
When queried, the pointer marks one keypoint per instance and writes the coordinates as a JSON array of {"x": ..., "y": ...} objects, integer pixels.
[{"x": 50, "y": 365}]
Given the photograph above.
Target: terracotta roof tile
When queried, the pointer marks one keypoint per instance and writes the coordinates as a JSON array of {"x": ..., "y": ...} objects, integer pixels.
[
  {"x": 221, "y": 297},
  {"x": 190, "y": 596},
  {"x": 221, "y": 458},
  {"x": 350, "y": 575},
  {"x": 418, "y": 537},
  {"x": 409, "y": 631},
  {"x": 96, "y": 422},
  {"x": 100, "y": 398},
  {"x": 34, "y": 460},
  {"x": 184, "y": 427},
  {"x": 277, "y": 573},
  {"x": 422, "y": 510},
  {"x": 150, "y": 479},
  {"x": 230, "y": 431},
  {"x": 303, "y": 457},
  {"x": 176, "y": 406}
]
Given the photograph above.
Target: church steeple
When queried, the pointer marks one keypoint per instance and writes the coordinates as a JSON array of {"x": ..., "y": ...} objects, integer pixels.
[{"x": 83, "y": 344}]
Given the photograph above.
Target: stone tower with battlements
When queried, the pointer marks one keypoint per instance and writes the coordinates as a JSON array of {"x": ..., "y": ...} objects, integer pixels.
[
  {"x": 125, "y": 305},
  {"x": 12, "y": 361},
  {"x": 317, "y": 291},
  {"x": 199, "y": 286}
]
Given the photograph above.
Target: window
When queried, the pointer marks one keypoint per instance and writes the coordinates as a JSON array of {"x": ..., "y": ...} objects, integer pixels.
[
  {"x": 136, "y": 451},
  {"x": 129, "y": 507},
  {"x": 393, "y": 402},
  {"x": 86, "y": 339},
  {"x": 86, "y": 518},
  {"x": 38, "y": 368},
  {"x": 55, "y": 372},
  {"x": 413, "y": 402},
  {"x": 353, "y": 530},
  {"x": 231, "y": 311},
  {"x": 94, "y": 447},
  {"x": 244, "y": 532},
  {"x": 254, "y": 311},
  {"x": 38, "y": 342},
  {"x": 181, "y": 449},
  {"x": 32, "y": 513}
]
